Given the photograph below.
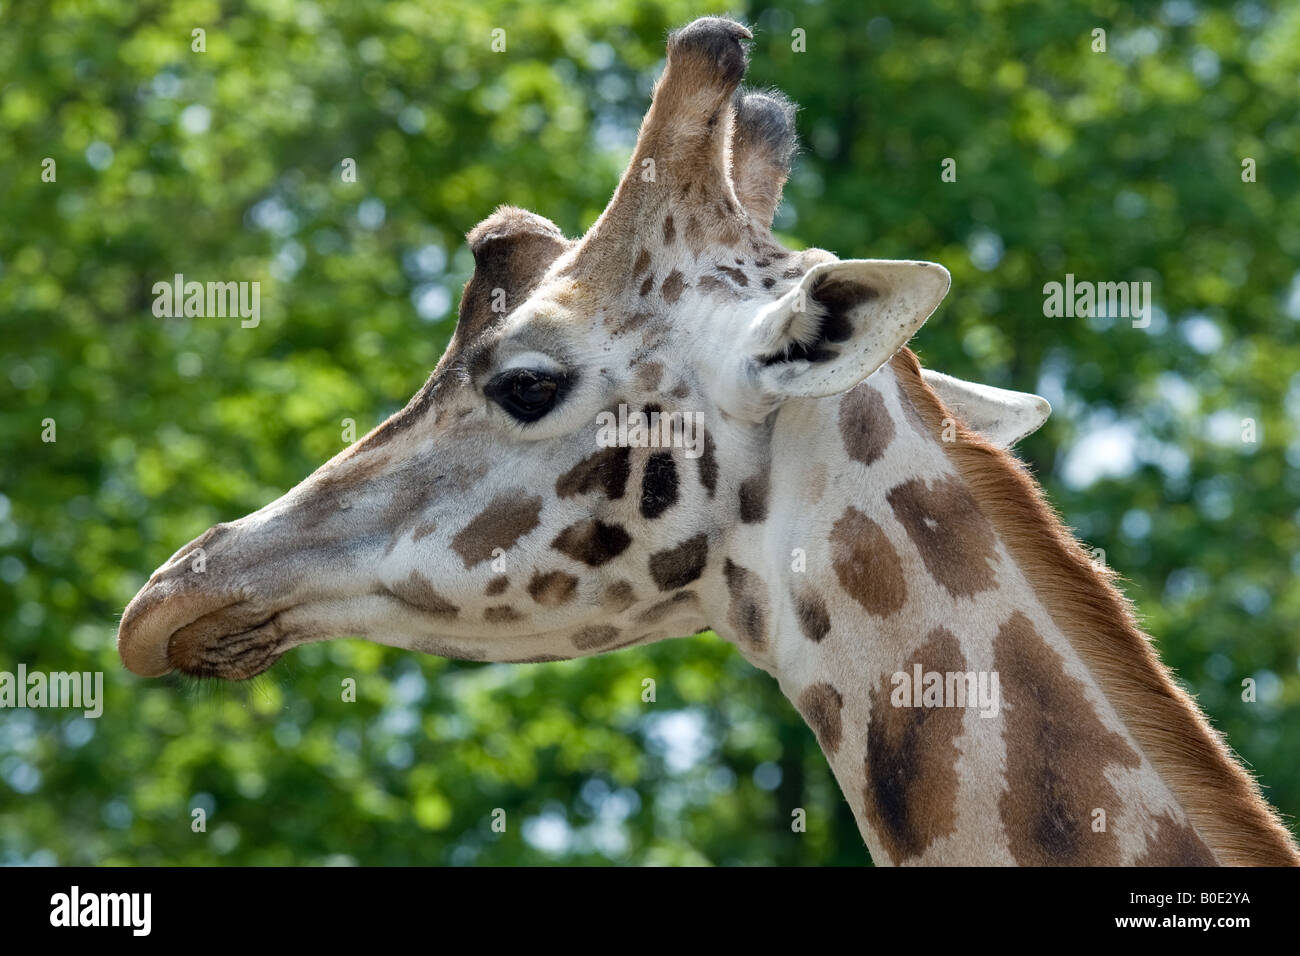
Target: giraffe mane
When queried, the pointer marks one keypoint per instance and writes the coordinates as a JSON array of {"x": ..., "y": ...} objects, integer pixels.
[{"x": 1221, "y": 798}]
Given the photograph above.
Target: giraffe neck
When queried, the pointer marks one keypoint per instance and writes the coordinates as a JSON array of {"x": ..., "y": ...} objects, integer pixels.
[{"x": 891, "y": 566}]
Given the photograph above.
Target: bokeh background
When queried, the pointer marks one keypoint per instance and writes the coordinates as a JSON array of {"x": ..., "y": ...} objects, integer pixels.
[{"x": 225, "y": 165}]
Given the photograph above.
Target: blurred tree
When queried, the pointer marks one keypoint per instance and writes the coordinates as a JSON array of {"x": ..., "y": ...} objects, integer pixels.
[{"x": 229, "y": 163}]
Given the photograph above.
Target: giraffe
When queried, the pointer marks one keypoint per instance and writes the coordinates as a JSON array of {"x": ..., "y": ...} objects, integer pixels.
[{"x": 856, "y": 526}]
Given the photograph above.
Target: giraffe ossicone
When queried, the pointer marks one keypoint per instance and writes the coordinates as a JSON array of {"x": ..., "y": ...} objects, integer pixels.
[{"x": 488, "y": 520}]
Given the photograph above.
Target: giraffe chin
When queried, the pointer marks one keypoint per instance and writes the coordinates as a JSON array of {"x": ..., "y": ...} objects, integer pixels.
[{"x": 194, "y": 651}]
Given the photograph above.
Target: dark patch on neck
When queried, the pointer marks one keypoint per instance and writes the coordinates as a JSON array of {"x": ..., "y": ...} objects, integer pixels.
[
  {"x": 673, "y": 286},
  {"x": 748, "y": 611},
  {"x": 1175, "y": 843},
  {"x": 1058, "y": 750},
  {"x": 597, "y": 635},
  {"x": 956, "y": 541},
  {"x": 820, "y": 704},
  {"x": 910, "y": 796},
  {"x": 552, "y": 588},
  {"x": 649, "y": 375},
  {"x": 866, "y": 564},
  {"x": 708, "y": 464},
  {"x": 620, "y": 596},
  {"x": 678, "y": 566},
  {"x": 658, "y": 485},
  {"x": 734, "y": 274},
  {"x": 865, "y": 425},
  {"x": 814, "y": 619},
  {"x": 592, "y": 542},
  {"x": 642, "y": 262},
  {"x": 608, "y": 470},
  {"x": 753, "y": 497}
]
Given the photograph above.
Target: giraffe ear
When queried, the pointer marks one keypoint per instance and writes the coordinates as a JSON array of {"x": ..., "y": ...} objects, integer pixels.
[
  {"x": 837, "y": 326},
  {"x": 1001, "y": 416},
  {"x": 512, "y": 250}
]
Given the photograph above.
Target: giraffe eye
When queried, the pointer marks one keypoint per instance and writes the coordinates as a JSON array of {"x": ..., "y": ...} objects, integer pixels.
[{"x": 527, "y": 394}]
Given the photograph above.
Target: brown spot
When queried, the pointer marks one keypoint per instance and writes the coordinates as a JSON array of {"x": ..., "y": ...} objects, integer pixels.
[
  {"x": 506, "y": 519},
  {"x": 673, "y": 286},
  {"x": 712, "y": 285},
  {"x": 748, "y": 611},
  {"x": 592, "y": 542},
  {"x": 814, "y": 619},
  {"x": 820, "y": 705},
  {"x": 629, "y": 323},
  {"x": 608, "y": 470},
  {"x": 708, "y": 464},
  {"x": 620, "y": 596},
  {"x": 910, "y": 796},
  {"x": 670, "y": 231},
  {"x": 649, "y": 375},
  {"x": 753, "y": 498},
  {"x": 865, "y": 424},
  {"x": 658, "y": 485},
  {"x": 1175, "y": 843},
  {"x": 1057, "y": 752},
  {"x": 595, "y": 636},
  {"x": 423, "y": 530},
  {"x": 866, "y": 564},
  {"x": 501, "y": 614},
  {"x": 418, "y": 592},
  {"x": 954, "y": 538},
  {"x": 735, "y": 275},
  {"x": 642, "y": 262},
  {"x": 680, "y": 390},
  {"x": 497, "y": 586},
  {"x": 678, "y": 566},
  {"x": 552, "y": 588},
  {"x": 657, "y": 612}
]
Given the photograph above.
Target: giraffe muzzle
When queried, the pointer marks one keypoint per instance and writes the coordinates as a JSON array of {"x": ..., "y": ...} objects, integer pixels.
[{"x": 192, "y": 618}]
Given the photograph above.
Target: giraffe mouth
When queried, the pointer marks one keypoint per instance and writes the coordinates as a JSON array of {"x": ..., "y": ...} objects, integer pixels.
[
  {"x": 227, "y": 636},
  {"x": 235, "y": 655}
]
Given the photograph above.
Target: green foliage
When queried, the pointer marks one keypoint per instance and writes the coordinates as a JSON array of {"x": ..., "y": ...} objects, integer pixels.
[{"x": 1124, "y": 165}]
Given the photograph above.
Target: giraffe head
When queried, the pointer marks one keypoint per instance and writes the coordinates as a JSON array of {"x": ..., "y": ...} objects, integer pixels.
[{"x": 516, "y": 509}]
